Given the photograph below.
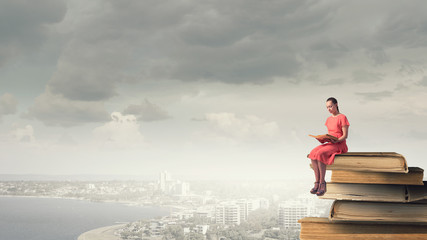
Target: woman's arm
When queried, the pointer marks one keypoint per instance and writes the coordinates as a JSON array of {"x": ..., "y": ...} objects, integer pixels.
[{"x": 344, "y": 134}]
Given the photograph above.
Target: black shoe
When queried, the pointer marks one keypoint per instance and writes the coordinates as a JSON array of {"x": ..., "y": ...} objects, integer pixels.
[
  {"x": 315, "y": 188},
  {"x": 321, "y": 191}
]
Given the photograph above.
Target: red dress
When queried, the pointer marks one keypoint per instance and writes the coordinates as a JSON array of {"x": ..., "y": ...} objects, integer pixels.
[{"x": 326, "y": 152}]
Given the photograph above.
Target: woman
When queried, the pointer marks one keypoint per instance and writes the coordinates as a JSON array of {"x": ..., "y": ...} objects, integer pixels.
[{"x": 324, "y": 154}]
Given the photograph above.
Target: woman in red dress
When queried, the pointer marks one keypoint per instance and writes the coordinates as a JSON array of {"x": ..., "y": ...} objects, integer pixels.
[{"x": 324, "y": 154}]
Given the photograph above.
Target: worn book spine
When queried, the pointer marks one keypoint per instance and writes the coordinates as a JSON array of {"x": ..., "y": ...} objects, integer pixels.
[
  {"x": 376, "y": 192},
  {"x": 414, "y": 176},
  {"x": 370, "y": 162},
  {"x": 354, "y": 211},
  {"x": 323, "y": 228}
]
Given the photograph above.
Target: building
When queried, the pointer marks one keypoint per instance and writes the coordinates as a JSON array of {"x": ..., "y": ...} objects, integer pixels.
[
  {"x": 181, "y": 188},
  {"x": 164, "y": 180},
  {"x": 227, "y": 213},
  {"x": 249, "y": 205},
  {"x": 290, "y": 212},
  {"x": 202, "y": 229},
  {"x": 167, "y": 185},
  {"x": 156, "y": 227}
]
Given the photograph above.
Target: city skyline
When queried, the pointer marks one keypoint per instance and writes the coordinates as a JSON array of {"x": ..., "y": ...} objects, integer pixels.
[{"x": 207, "y": 90}]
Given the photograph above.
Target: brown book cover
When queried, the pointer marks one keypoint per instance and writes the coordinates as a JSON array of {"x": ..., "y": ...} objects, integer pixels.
[
  {"x": 370, "y": 161},
  {"x": 375, "y": 192},
  {"x": 414, "y": 176},
  {"x": 386, "y": 212},
  {"x": 323, "y": 229}
]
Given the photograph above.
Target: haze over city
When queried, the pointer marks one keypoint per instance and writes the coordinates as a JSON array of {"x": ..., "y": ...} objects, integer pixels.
[{"x": 206, "y": 89}]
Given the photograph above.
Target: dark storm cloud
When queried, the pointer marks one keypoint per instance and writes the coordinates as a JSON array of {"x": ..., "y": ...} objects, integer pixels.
[
  {"x": 241, "y": 41},
  {"x": 405, "y": 25},
  {"x": 233, "y": 42},
  {"x": 147, "y": 112},
  {"x": 227, "y": 41},
  {"x": 24, "y": 25},
  {"x": 108, "y": 44}
]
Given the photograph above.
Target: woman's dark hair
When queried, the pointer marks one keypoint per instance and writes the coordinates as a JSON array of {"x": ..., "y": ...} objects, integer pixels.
[{"x": 334, "y": 101}]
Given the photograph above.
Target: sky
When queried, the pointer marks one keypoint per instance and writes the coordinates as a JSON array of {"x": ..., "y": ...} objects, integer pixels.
[{"x": 206, "y": 89}]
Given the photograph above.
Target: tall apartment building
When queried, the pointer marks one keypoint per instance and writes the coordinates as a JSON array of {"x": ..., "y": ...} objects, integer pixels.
[
  {"x": 290, "y": 212},
  {"x": 227, "y": 213},
  {"x": 245, "y": 207}
]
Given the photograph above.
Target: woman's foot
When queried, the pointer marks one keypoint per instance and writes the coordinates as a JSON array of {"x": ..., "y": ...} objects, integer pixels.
[
  {"x": 322, "y": 189},
  {"x": 315, "y": 188}
]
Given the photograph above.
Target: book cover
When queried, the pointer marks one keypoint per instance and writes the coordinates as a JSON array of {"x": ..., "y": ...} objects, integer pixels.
[
  {"x": 370, "y": 162},
  {"x": 353, "y": 211},
  {"x": 323, "y": 229},
  {"x": 414, "y": 176},
  {"x": 375, "y": 192}
]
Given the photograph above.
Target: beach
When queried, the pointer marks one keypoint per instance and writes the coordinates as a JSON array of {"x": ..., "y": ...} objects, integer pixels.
[{"x": 103, "y": 233}]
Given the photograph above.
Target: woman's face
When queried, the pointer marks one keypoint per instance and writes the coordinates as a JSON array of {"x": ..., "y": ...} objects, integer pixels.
[{"x": 332, "y": 108}]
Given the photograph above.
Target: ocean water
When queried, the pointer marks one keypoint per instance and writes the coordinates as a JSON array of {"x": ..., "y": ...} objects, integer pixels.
[{"x": 23, "y": 218}]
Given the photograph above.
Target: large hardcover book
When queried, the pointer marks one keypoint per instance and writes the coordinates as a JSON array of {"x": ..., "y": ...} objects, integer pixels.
[
  {"x": 413, "y": 177},
  {"x": 375, "y": 192},
  {"x": 370, "y": 162},
  {"x": 385, "y": 212},
  {"x": 313, "y": 228}
]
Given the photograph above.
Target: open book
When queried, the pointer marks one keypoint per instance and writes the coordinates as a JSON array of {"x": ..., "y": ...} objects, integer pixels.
[{"x": 324, "y": 137}]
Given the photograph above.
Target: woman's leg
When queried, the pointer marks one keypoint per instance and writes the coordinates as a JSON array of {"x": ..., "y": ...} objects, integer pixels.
[
  {"x": 322, "y": 173},
  {"x": 315, "y": 165}
]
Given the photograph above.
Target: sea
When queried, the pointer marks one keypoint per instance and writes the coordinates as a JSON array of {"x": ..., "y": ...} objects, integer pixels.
[{"x": 31, "y": 218}]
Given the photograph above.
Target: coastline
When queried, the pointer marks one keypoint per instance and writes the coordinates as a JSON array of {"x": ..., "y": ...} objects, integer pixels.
[
  {"x": 102, "y": 233},
  {"x": 106, "y": 232},
  {"x": 127, "y": 203}
]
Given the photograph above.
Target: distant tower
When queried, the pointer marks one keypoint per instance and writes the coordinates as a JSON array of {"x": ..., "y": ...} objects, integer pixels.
[{"x": 164, "y": 178}]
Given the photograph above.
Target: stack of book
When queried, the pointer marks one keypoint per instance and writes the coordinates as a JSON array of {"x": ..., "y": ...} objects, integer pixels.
[{"x": 376, "y": 196}]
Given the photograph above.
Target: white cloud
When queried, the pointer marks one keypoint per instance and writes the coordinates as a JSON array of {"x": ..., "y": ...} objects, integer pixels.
[
  {"x": 246, "y": 127},
  {"x": 147, "y": 111},
  {"x": 53, "y": 109},
  {"x": 25, "y": 134},
  {"x": 121, "y": 132},
  {"x": 8, "y": 104}
]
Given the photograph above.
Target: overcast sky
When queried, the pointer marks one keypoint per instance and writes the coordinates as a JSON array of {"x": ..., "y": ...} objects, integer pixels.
[{"x": 206, "y": 89}]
